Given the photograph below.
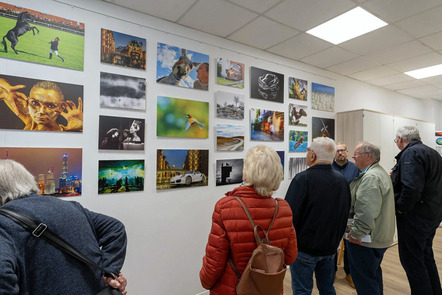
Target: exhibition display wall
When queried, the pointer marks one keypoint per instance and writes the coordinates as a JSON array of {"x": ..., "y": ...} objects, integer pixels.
[{"x": 144, "y": 137}]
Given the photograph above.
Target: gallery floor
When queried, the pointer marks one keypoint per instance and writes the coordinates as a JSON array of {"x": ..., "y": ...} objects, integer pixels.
[{"x": 395, "y": 280}]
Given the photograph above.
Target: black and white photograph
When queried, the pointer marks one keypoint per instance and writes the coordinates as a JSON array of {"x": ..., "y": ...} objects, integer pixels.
[
  {"x": 266, "y": 85},
  {"x": 323, "y": 127},
  {"x": 229, "y": 105},
  {"x": 119, "y": 133},
  {"x": 229, "y": 171},
  {"x": 296, "y": 165},
  {"x": 118, "y": 91}
]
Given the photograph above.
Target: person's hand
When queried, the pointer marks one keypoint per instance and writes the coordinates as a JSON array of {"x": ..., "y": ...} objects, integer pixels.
[
  {"x": 8, "y": 92},
  {"x": 73, "y": 115},
  {"x": 119, "y": 283},
  {"x": 352, "y": 240}
]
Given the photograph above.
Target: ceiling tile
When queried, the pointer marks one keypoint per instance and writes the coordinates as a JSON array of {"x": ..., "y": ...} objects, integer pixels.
[
  {"x": 299, "y": 46},
  {"x": 352, "y": 66},
  {"x": 262, "y": 33},
  {"x": 329, "y": 57},
  {"x": 388, "y": 80},
  {"x": 170, "y": 10},
  {"x": 434, "y": 41},
  {"x": 376, "y": 40},
  {"x": 417, "y": 91},
  {"x": 306, "y": 14},
  {"x": 216, "y": 17},
  {"x": 394, "y": 10},
  {"x": 423, "y": 24},
  {"x": 373, "y": 73},
  {"x": 258, "y": 6},
  {"x": 405, "y": 85},
  {"x": 399, "y": 52},
  {"x": 417, "y": 62}
]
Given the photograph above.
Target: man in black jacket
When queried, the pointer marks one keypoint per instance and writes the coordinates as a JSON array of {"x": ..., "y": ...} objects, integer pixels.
[
  {"x": 320, "y": 202},
  {"x": 417, "y": 182}
]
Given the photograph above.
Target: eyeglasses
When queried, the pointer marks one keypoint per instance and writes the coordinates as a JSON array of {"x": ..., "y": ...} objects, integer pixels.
[
  {"x": 355, "y": 154},
  {"x": 341, "y": 151}
]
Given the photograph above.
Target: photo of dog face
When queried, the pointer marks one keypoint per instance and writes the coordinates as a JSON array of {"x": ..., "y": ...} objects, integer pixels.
[{"x": 182, "y": 67}]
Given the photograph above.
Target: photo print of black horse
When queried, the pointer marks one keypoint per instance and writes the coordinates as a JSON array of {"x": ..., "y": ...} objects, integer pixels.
[{"x": 22, "y": 26}]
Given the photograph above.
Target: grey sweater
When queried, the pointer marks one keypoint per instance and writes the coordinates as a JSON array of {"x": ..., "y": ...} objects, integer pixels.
[{"x": 29, "y": 265}]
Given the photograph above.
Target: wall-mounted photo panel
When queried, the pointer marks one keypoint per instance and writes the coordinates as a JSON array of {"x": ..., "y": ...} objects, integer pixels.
[
  {"x": 118, "y": 133},
  {"x": 118, "y": 91},
  {"x": 230, "y": 73},
  {"x": 297, "y": 115},
  {"x": 296, "y": 165},
  {"x": 56, "y": 170},
  {"x": 182, "y": 117},
  {"x": 323, "y": 97},
  {"x": 120, "y": 176},
  {"x": 298, "y": 141},
  {"x": 266, "y": 125},
  {"x": 229, "y": 137},
  {"x": 123, "y": 50},
  {"x": 266, "y": 85},
  {"x": 182, "y": 168},
  {"x": 182, "y": 67},
  {"x": 298, "y": 89},
  {"x": 323, "y": 127},
  {"x": 229, "y": 171},
  {"x": 31, "y": 104},
  {"x": 229, "y": 105},
  {"x": 38, "y": 37},
  {"x": 281, "y": 155}
]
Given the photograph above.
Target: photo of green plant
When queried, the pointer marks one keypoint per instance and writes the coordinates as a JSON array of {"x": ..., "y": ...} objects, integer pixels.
[
  {"x": 38, "y": 37},
  {"x": 182, "y": 117}
]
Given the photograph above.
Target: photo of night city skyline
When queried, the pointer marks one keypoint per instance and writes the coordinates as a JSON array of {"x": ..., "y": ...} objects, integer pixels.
[{"x": 56, "y": 170}]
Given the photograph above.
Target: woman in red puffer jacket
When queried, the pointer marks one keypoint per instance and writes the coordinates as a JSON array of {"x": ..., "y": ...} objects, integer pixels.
[{"x": 232, "y": 234}]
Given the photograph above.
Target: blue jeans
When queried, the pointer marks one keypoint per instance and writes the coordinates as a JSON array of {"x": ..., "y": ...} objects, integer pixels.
[
  {"x": 365, "y": 268},
  {"x": 302, "y": 274},
  {"x": 415, "y": 240}
]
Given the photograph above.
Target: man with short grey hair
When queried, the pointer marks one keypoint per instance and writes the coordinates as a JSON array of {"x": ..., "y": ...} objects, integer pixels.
[
  {"x": 373, "y": 225},
  {"x": 417, "y": 180},
  {"x": 320, "y": 202}
]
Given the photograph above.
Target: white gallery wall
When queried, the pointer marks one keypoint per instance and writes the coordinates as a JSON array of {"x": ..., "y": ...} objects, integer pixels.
[{"x": 167, "y": 230}]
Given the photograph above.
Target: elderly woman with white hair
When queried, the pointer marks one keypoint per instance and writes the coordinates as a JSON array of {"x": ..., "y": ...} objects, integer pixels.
[
  {"x": 30, "y": 265},
  {"x": 232, "y": 235}
]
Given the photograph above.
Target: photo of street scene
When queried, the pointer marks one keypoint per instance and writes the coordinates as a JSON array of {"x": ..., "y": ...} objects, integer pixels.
[
  {"x": 230, "y": 73},
  {"x": 229, "y": 137},
  {"x": 229, "y": 171},
  {"x": 266, "y": 125},
  {"x": 58, "y": 171},
  {"x": 123, "y": 50},
  {"x": 182, "y": 168},
  {"x": 120, "y": 176},
  {"x": 229, "y": 105}
]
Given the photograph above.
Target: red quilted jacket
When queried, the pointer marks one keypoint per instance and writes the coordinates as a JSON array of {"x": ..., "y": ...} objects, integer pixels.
[{"x": 232, "y": 234}]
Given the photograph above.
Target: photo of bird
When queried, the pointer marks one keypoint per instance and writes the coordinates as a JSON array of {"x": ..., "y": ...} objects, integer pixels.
[
  {"x": 299, "y": 142},
  {"x": 296, "y": 115},
  {"x": 191, "y": 121}
]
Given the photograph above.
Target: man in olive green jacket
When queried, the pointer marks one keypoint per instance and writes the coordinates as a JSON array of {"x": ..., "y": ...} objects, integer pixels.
[{"x": 373, "y": 225}]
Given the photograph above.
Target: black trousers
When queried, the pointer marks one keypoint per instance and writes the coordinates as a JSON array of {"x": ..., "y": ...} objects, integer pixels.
[{"x": 415, "y": 238}]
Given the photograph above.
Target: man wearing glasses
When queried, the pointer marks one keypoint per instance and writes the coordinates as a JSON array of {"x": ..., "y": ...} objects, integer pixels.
[
  {"x": 350, "y": 172},
  {"x": 417, "y": 180},
  {"x": 373, "y": 225},
  {"x": 320, "y": 202}
]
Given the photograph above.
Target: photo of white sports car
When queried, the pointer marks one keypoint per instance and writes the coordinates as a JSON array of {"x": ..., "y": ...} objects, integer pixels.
[{"x": 188, "y": 178}]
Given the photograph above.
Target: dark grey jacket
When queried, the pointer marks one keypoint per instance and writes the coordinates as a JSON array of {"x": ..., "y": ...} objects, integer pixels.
[
  {"x": 31, "y": 266},
  {"x": 417, "y": 181}
]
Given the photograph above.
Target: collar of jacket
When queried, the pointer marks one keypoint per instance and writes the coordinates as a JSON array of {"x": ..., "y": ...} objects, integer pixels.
[
  {"x": 410, "y": 144},
  {"x": 244, "y": 191}
]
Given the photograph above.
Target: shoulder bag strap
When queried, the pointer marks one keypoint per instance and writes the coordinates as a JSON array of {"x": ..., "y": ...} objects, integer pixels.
[{"x": 40, "y": 230}]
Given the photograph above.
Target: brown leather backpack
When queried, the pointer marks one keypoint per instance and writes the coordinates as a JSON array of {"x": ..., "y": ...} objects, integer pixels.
[{"x": 265, "y": 271}]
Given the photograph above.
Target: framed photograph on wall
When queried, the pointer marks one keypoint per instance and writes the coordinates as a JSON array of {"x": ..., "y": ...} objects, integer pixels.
[
  {"x": 229, "y": 73},
  {"x": 298, "y": 89},
  {"x": 298, "y": 115},
  {"x": 229, "y": 171},
  {"x": 297, "y": 165},
  {"x": 123, "y": 50},
  {"x": 119, "y": 91},
  {"x": 266, "y": 125},
  {"x": 120, "y": 176},
  {"x": 266, "y": 85},
  {"x": 229, "y": 137},
  {"x": 323, "y": 127},
  {"x": 298, "y": 141},
  {"x": 229, "y": 105},
  {"x": 118, "y": 133},
  {"x": 323, "y": 97}
]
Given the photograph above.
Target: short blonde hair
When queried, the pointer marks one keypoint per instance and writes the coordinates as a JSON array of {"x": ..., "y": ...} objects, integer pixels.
[
  {"x": 263, "y": 169},
  {"x": 15, "y": 181}
]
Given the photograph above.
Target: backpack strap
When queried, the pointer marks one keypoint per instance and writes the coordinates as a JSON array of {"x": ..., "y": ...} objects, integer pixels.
[{"x": 255, "y": 230}]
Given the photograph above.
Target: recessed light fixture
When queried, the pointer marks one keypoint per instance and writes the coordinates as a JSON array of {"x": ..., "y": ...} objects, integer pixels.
[
  {"x": 349, "y": 25},
  {"x": 426, "y": 72}
]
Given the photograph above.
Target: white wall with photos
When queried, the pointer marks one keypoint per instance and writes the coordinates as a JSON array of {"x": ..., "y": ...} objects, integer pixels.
[{"x": 168, "y": 229}]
